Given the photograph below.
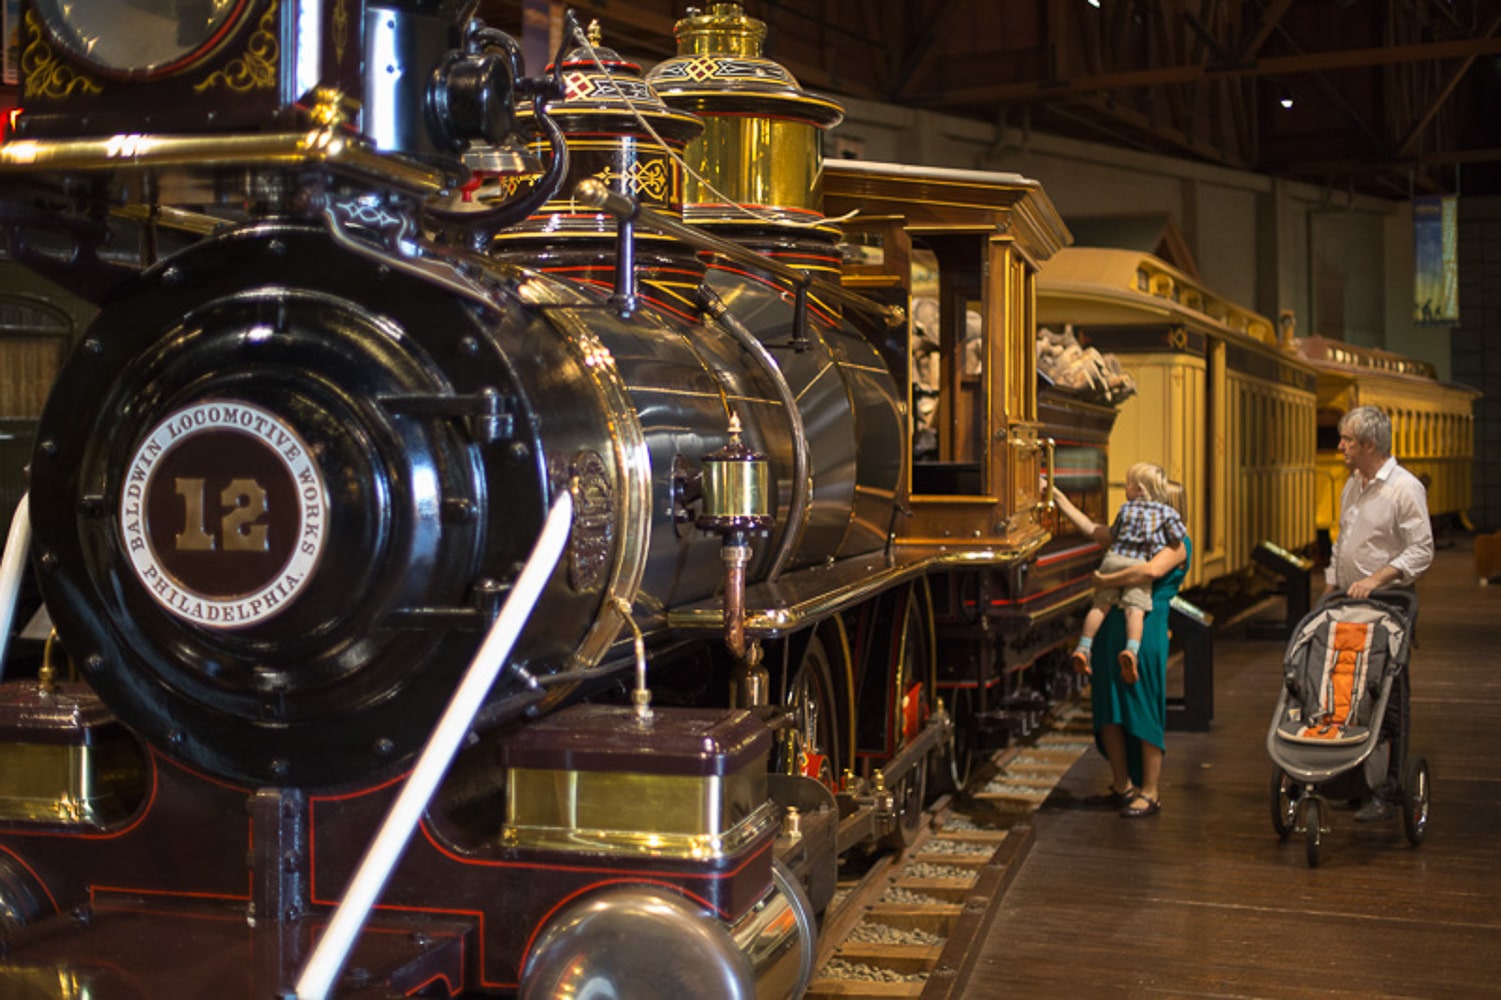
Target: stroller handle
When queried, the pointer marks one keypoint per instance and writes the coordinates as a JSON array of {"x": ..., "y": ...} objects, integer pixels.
[{"x": 1402, "y": 600}]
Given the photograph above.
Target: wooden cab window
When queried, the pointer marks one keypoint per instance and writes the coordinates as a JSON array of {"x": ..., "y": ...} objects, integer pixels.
[{"x": 949, "y": 386}]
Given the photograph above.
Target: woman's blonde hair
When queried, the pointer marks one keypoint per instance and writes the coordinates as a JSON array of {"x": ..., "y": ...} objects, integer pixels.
[
  {"x": 1176, "y": 497},
  {"x": 1151, "y": 479}
]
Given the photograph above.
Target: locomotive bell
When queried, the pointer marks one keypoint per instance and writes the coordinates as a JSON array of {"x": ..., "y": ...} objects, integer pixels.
[{"x": 736, "y": 488}]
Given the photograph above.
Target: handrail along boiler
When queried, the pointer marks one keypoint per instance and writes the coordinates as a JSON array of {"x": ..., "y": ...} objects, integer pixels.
[{"x": 369, "y": 299}]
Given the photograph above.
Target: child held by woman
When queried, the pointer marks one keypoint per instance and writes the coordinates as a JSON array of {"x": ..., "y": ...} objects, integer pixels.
[{"x": 1145, "y": 524}]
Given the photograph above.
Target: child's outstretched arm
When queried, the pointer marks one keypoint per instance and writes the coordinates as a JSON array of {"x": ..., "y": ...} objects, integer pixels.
[{"x": 1100, "y": 533}]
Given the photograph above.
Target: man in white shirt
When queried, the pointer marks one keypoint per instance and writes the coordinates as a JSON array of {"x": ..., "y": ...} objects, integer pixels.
[{"x": 1385, "y": 540}]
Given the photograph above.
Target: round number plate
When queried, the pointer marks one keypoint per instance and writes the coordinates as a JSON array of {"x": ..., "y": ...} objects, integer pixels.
[{"x": 222, "y": 513}]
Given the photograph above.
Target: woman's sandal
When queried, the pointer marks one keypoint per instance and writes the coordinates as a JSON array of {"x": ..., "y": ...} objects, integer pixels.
[
  {"x": 1134, "y": 811},
  {"x": 1112, "y": 799}
]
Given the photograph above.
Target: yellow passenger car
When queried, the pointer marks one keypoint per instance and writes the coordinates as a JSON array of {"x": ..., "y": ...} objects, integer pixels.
[
  {"x": 1433, "y": 424},
  {"x": 1222, "y": 404}
]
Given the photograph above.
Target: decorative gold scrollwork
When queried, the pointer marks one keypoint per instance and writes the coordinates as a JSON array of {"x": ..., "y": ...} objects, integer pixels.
[
  {"x": 1178, "y": 339},
  {"x": 256, "y": 68},
  {"x": 44, "y": 76},
  {"x": 646, "y": 179}
]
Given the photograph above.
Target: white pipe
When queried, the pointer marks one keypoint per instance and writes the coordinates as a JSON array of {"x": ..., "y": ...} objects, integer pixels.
[
  {"x": 12, "y": 568},
  {"x": 389, "y": 843}
]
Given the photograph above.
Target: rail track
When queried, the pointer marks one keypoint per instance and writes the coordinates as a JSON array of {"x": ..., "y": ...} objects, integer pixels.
[{"x": 911, "y": 923}]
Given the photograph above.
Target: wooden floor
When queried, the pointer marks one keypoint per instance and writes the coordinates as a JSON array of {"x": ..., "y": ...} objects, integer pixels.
[{"x": 1204, "y": 900}]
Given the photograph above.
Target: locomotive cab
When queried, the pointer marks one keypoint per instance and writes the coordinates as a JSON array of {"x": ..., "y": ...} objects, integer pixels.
[{"x": 963, "y": 249}]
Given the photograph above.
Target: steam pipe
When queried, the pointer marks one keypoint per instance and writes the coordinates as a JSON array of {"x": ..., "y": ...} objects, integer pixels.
[
  {"x": 385, "y": 850},
  {"x": 736, "y": 553},
  {"x": 641, "y": 696}
]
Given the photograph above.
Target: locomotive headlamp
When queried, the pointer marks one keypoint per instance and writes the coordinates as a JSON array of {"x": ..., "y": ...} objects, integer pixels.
[{"x": 472, "y": 99}]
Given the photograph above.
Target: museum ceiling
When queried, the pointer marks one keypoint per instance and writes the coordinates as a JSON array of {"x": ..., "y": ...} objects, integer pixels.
[{"x": 1387, "y": 97}]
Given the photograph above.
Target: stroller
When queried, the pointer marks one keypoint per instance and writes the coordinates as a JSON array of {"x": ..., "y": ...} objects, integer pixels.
[{"x": 1343, "y": 710}]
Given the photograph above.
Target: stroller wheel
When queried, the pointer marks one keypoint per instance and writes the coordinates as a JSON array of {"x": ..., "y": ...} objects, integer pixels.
[
  {"x": 1285, "y": 792},
  {"x": 1415, "y": 792},
  {"x": 1313, "y": 823}
]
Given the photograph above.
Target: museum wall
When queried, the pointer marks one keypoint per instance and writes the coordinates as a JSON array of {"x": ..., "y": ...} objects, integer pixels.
[
  {"x": 1341, "y": 261},
  {"x": 1477, "y": 346}
]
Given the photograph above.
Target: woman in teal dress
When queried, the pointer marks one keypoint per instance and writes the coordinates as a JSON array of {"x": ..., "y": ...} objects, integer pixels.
[{"x": 1130, "y": 720}]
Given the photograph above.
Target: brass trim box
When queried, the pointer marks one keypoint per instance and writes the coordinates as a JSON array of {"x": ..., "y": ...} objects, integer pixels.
[
  {"x": 64, "y": 759},
  {"x": 681, "y": 783}
]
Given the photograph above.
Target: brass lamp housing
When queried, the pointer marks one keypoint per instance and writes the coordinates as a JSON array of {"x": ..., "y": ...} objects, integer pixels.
[{"x": 64, "y": 759}]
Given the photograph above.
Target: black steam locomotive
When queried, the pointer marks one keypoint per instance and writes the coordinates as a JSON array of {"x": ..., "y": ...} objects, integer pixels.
[{"x": 482, "y": 567}]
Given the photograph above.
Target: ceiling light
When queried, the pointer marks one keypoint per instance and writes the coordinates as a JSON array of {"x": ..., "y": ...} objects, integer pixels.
[{"x": 1286, "y": 100}]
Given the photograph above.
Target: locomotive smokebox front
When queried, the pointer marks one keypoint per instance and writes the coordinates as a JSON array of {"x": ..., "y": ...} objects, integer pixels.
[{"x": 266, "y": 494}]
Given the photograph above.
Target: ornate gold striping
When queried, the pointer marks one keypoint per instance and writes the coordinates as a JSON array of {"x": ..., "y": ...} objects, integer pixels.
[
  {"x": 341, "y": 30},
  {"x": 256, "y": 69},
  {"x": 44, "y": 76},
  {"x": 648, "y": 177}
]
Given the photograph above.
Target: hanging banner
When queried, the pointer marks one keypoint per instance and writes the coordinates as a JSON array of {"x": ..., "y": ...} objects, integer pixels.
[{"x": 1435, "y": 224}]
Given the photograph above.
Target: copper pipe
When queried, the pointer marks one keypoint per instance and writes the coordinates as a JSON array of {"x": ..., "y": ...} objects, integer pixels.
[{"x": 736, "y": 554}]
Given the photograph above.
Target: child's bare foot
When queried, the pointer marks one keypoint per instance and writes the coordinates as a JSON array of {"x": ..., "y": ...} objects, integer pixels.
[
  {"x": 1127, "y": 660},
  {"x": 1079, "y": 660}
]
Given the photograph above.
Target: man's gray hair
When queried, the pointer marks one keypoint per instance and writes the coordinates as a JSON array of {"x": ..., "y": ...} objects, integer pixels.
[{"x": 1368, "y": 425}]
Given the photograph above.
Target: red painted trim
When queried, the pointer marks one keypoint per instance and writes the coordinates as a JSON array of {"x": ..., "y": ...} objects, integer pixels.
[
  {"x": 229, "y": 25},
  {"x": 165, "y": 893},
  {"x": 596, "y": 869},
  {"x": 656, "y": 303},
  {"x": 1003, "y": 603},
  {"x": 201, "y": 776},
  {"x": 969, "y": 685},
  {"x": 1073, "y": 553},
  {"x": 828, "y": 318},
  {"x": 596, "y": 269},
  {"x": 594, "y": 887},
  {"x": 358, "y": 792},
  {"x": 452, "y": 990},
  {"x": 32, "y": 872}
]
